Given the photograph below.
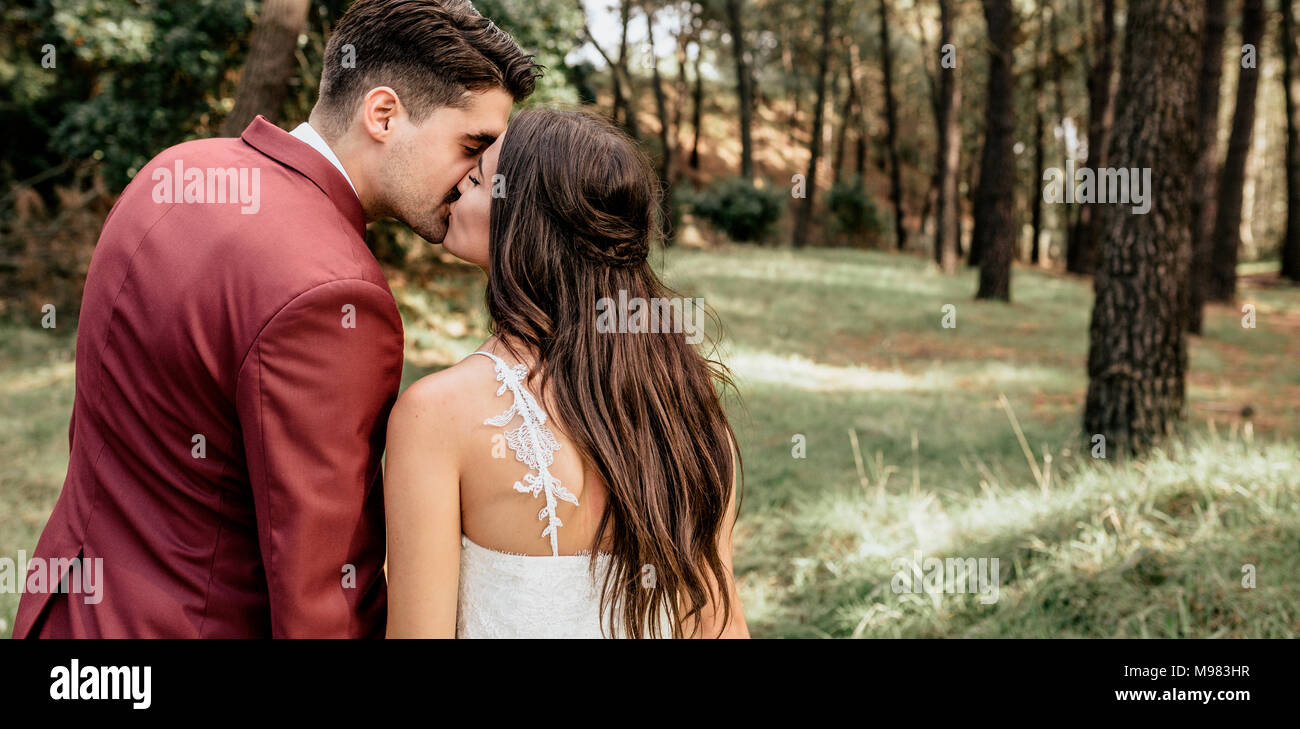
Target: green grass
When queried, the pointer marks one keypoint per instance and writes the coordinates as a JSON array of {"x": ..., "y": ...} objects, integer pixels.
[
  {"x": 36, "y": 386},
  {"x": 831, "y": 340},
  {"x": 826, "y": 341}
]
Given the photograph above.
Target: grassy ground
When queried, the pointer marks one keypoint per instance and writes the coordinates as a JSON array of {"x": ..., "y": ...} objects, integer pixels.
[{"x": 829, "y": 341}]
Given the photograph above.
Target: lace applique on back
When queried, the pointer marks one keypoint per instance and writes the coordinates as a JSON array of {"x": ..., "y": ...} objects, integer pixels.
[{"x": 534, "y": 445}]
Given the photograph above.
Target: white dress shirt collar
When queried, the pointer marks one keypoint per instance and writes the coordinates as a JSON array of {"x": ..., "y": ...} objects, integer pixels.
[{"x": 307, "y": 134}]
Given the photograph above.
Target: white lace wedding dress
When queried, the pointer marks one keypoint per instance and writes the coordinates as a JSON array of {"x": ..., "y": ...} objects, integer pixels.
[{"x": 506, "y": 595}]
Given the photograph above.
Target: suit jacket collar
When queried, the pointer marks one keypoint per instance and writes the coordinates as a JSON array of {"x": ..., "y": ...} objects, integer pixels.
[{"x": 292, "y": 152}]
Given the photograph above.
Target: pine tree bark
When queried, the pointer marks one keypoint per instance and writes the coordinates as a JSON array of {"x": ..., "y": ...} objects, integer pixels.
[
  {"x": 815, "y": 145},
  {"x": 264, "y": 82},
  {"x": 891, "y": 131},
  {"x": 929, "y": 210},
  {"x": 744, "y": 88},
  {"x": 860, "y": 148},
  {"x": 680, "y": 91},
  {"x": 1067, "y": 211},
  {"x": 792, "y": 73},
  {"x": 1137, "y": 359},
  {"x": 697, "y": 109},
  {"x": 625, "y": 98},
  {"x": 1081, "y": 257},
  {"x": 1040, "y": 111},
  {"x": 665, "y": 129},
  {"x": 995, "y": 225},
  {"x": 1291, "y": 81},
  {"x": 1226, "y": 238},
  {"x": 1207, "y": 161},
  {"x": 842, "y": 132},
  {"x": 948, "y": 215}
]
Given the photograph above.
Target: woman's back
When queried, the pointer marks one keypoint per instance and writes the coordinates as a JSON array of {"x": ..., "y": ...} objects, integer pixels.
[
  {"x": 512, "y": 585},
  {"x": 493, "y": 513}
]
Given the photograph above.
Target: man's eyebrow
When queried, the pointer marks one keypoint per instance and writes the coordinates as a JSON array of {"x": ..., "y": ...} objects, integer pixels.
[{"x": 486, "y": 138}]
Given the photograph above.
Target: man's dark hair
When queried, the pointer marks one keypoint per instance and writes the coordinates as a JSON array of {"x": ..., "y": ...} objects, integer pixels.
[{"x": 429, "y": 51}]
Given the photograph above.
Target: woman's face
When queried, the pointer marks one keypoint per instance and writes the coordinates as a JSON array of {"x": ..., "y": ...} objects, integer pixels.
[{"x": 467, "y": 231}]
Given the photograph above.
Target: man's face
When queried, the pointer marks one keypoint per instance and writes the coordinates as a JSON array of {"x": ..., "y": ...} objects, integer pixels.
[{"x": 427, "y": 160}]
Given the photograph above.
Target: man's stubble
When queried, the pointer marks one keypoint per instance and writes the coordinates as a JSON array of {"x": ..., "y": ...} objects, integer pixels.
[{"x": 410, "y": 205}]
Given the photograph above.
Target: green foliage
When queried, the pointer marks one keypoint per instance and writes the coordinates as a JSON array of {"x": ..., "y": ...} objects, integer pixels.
[
  {"x": 854, "y": 214},
  {"x": 548, "y": 29},
  {"x": 128, "y": 79},
  {"x": 738, "y": 208},
  {"x": 132, "y": 78}
]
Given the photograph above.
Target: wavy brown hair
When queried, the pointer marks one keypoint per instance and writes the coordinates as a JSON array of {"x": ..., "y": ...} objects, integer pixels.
[{"x": 577, "y": 222}]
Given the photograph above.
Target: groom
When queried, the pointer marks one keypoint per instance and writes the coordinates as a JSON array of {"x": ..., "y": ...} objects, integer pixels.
[{"x": 239, "y": 348}]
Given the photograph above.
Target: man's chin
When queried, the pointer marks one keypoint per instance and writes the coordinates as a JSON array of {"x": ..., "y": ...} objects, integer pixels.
[{"x": 434, "y": 232}]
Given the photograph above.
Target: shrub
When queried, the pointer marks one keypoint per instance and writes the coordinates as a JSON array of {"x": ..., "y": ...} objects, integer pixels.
[
  {"x": 854, "y": 215},
  {"x": 738, "y": 208}
]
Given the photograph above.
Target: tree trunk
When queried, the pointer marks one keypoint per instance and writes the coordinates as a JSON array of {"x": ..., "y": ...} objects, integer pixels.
[
  {"x": 1137, "y": 359},
  {"x": 929, "y": 225},
  {"x": 697, "y": 105},
  {"x": 1082, "y": 254},
  {"x": 616, "y": 88},
  {"x": 1067, "y": 211},
  {"x": 842, "y": 134},
  {"x": 680, "y": 90},
  {"x": 948, "y": 216},
  {"x": 787, "y": 64},
  {"x": 971, "y": 175},
  {"x": 995, "y": 224},
  {"x": 1207, "y": 159},
  {"x": 744, "y": 88},
  {"x": 1226, "y": 239},
  {"x": 891, "y": 130},
  {"x": 1040, "y": 104},
  {"x": 625, "y": 98},
  {"x": 1291, "y": 81},
  {"x": 264, "y": 82},
  {"x": 815, "y": 145},
  {"x": 860, "y": 148},
  {"x": 661, "y": 108}
]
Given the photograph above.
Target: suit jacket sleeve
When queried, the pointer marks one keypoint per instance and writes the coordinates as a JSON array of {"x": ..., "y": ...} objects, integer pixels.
[{"x": 313, "y": 396}]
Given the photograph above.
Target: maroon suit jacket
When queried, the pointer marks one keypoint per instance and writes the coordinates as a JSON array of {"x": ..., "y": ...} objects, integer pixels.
[{"x": 235, "y": 370}]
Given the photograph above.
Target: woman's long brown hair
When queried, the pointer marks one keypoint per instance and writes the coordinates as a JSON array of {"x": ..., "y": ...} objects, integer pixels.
[{"x": 578, "y": 218}]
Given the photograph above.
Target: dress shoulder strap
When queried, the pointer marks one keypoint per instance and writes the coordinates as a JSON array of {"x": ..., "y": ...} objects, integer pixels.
[
  {"x": 533, "y": 444},
  {"x": 490, "y": 356}
]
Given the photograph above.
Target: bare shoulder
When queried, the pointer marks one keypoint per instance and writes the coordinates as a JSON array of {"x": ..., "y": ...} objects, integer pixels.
[{"x": 447, "y": 400}]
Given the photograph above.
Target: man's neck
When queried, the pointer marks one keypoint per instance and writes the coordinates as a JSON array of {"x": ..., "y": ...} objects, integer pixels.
[{"x": 346, "y": 152}]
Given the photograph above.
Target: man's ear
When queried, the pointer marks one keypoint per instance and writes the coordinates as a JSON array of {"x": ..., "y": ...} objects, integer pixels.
[{"x": 379, "y": 109}]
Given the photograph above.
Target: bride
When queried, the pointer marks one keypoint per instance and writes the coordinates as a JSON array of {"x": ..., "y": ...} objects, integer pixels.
[{"x": 619, "y": 438}]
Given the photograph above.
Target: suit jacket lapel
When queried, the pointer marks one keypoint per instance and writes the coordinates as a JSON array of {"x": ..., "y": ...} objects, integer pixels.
[{"x": 288, "y": 150}]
